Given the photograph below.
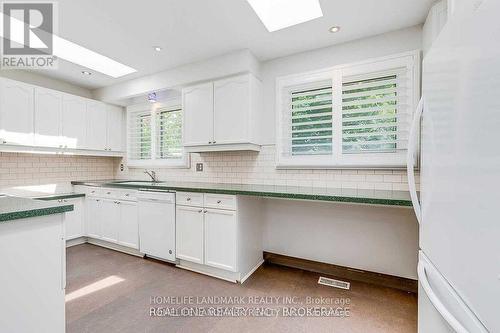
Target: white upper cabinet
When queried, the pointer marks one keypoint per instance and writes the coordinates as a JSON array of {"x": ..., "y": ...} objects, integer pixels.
[
  {"x": 43, "y": 118},
  {"x": 96, "y": 125},
  {"x": 114, "y": 115},
  {"x": 48, "y": 112},
  {"x": 198, "y": 107},
  {"x": 232, "y": 110},
  {"x": 16, "y": 113},
  {"x": 74, "y": 110},
  {"x": 222, "y": 115}
]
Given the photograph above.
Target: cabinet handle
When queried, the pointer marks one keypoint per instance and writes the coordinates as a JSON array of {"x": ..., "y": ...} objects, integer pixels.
[
  {"x": 188, "y": 199},
  {"x": 218, "y": 201},
  {"x": 214, "y": 142},
  {"x": 127, "y": 194},
  {"x": 200, "y": 210},
  {"x": 108, "y": 192},
  {"x": 205, "y": 211}
]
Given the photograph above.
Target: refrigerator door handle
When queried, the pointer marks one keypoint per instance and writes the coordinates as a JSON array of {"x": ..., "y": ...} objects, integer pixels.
[
  {"x": 450, "y": 319},
  {"x": 410, "y": 158}
]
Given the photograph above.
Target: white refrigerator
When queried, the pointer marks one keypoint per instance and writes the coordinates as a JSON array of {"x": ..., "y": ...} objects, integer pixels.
[{"x": 459, "y": 209}]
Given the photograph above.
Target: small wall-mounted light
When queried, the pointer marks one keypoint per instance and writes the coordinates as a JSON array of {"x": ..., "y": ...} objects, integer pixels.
[
  {"x": 152, "y": 97},
  {"x": 334, "y": 29}
]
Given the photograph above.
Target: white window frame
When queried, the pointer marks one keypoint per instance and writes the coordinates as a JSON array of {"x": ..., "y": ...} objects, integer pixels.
[
  {"x": 338, "y": 160},
  {"x": 153, "y": 108}
]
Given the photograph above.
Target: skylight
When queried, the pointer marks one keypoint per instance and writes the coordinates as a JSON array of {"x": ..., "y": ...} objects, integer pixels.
[
  {"x": 279, "y": 14},
  {"x": 76, "y": 54}
]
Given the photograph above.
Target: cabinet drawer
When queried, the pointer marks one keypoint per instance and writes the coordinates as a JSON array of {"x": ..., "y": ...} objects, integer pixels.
[
  {"x": 189, "y": 199},
  {"x": 221, "y": 201},
  {"x": 128, "y": 195}
]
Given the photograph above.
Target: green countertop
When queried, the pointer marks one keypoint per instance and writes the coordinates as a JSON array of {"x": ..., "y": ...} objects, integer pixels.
[
  {"x": 13, "y": 208},
  {"x": 61, "y": 196},
  {"x": 373, "y": 197}
]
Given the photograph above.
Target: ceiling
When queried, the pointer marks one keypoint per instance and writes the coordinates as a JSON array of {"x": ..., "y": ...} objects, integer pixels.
[{"x": 194, "y": 30}]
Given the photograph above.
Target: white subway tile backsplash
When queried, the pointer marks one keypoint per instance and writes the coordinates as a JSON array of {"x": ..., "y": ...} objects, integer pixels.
[
  {"x": 18, "y": 169},
  {"x": 259, "y": 168}
]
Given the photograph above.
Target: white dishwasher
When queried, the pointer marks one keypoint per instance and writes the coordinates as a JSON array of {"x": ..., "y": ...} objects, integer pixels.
[{"x": 157, "y": 224}]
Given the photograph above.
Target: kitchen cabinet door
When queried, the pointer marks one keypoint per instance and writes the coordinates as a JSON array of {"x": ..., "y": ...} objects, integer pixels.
[
  {"x": 198, "y": 107},
  {"x": 114, "y": 128},
  {"x": 232, "y": 110},
  {"x": 128, "y": 226},
  {"x": 220, "y": 239},
  {"x": 74, "y": 220},
  {"x": 48, "y": 113},
  {"x": 189, "y": 234},
  {"x": 93, "y": 218},
  {"x": 110, "y": 219},
  {"x": 16, "y": 113},
  {"x": 96, "y": 125},
  {"x": 74, "y": 120}
]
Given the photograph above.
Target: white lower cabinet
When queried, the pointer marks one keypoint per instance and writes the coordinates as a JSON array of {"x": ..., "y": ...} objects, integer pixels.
[
  {"x": 109, "y": 214},
  {"x": 112, "y": 220},
  {"x": 189, "y": 233},
  {"x": 219, "y": 235},
  {"x": 128, "y": 228},
  {"x": 93, "y": 217},
  {"x": 74, "y": 220},
  {"x": 220, "y": 239}
]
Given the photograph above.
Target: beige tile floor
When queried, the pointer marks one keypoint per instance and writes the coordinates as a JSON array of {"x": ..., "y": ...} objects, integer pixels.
[{"x": 108, "y": 291}]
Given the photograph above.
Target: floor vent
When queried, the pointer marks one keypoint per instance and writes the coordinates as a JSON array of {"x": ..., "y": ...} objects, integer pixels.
[{"x": 334, "y": 283}]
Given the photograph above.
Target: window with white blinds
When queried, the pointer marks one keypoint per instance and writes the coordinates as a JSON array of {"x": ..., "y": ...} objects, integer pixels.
[
  {"x": 309, "y": 119},
  {"x": 169, "y": 134},
  {"x": 355, "y": 115},
  {"x": 375, "y": 112},
  {"x": 139, "y": 136},
  {"x": 154, "y": 134}
]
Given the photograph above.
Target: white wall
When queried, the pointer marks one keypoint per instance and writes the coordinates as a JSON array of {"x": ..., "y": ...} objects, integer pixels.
[
  {"x": 44, "y": 81},
  {"x": 224, "y": 65},
  {"x": 373, "y": 238},
  {"x": 377, "y": 46}
]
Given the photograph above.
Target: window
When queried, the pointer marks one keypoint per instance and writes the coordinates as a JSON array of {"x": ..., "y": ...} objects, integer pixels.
[
  {"x": 154, "y": 135},
  {"x": 311, "y": 120},
  {"x": 139, "y": 133},
  {"x": 354, "y": 115},
  {"x": 169, "y": 134}
]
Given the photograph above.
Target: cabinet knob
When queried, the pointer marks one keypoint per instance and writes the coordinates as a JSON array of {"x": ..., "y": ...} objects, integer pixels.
[
  {"x": 188, "y": 199},
  {"x": 108, "y": 192},
  {"x": 200, "y": 210},
  {"x": 218, "y": 201},
  {"x": 209, "y": 142},
  {"x": 214, "y": 142},
  {"x": 205, "y": 211}
]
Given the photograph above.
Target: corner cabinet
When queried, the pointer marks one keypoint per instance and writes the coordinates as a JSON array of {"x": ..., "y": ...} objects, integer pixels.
[
  {"x": 39, "y": 119},
  {"x": 223, "y": 115}
]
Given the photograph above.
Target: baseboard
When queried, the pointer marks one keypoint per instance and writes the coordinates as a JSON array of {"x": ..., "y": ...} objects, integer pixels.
[
  {"x": 210, "y": 271},
  {"x": 343, "y": 272},
  {"x": 76, "y": 241},
  {"x": 115, "y": 247},
  {"x": 252, "y": 271}
]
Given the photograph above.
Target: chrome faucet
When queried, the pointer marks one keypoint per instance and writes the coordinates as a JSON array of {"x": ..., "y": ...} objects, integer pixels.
[{"x": 151, "y": 174}]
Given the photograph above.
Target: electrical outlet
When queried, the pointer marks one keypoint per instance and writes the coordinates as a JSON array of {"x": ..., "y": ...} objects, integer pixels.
[{"x": 199, "y": 167}]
